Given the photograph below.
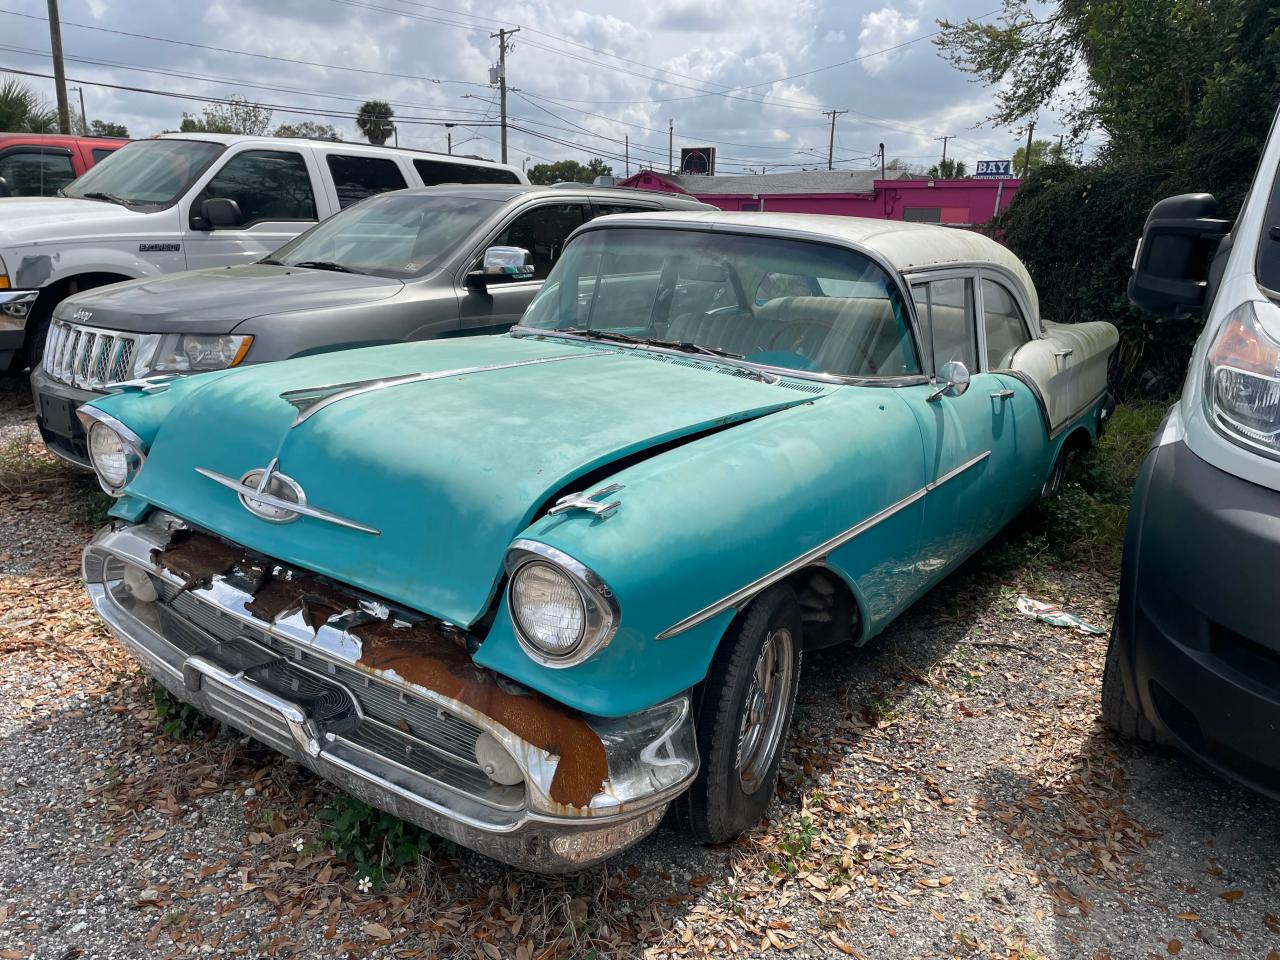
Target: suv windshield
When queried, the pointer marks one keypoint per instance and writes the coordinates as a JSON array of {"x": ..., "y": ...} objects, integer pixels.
[
  {"x": 394, "y": 235},
  {"x": 145, "y": 172},
  {"x": 790, "y": 304}
]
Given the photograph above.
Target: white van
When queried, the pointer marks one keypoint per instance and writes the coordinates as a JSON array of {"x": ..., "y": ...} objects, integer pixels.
[
  {"x": 1194, "y": 659},
  {"x": 185, "y": 201}
]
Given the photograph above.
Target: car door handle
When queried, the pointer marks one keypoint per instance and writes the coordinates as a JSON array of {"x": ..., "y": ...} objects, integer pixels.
[
  {"x": 1002, "y": 395},
  {"x": 1063, "y": 353}
]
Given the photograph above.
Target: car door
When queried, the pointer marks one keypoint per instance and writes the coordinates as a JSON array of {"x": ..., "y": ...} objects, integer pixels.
[
  {"x": 963, "y": 435},
  {"x": 542, "y": 229},
  {"x": 275, "y": 191}
]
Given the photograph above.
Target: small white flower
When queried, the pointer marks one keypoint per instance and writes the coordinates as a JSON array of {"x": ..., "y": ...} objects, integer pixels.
[
  {"x": 299, "y": 844},
  {"x": 365, "y": 884}
]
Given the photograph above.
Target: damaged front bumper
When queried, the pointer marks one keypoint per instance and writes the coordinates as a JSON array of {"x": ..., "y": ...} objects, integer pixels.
[{"x": 384, "y": 703}]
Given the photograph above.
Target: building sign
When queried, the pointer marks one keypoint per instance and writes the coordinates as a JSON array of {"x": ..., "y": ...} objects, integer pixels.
[
  {"x": 994, "y": 170},
  {"x": 699, "y": 161}
]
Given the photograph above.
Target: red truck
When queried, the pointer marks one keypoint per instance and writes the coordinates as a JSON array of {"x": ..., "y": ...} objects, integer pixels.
[{"x": 40, "y": 164}]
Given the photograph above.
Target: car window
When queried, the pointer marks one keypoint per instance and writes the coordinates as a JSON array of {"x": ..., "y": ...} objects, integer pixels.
[
  {"x": 101, "y": 153},
  {"x": 355, "y": 178},
  {"x": 945, "y": 309},
  {"x": 542, "y": 231},
  {"x": 1005, "y": 328},
  {"x": 397, "y": 235},
  {"x": 33, "y": 172},
  {"x": 147, "y": 172},
  {"x": 692, "y": 286},
  {"x": 435, "y": 172},
  {"x": 266, "y": 184},
  {"x": 773, "y": 285},
  {"x": 605, "y": 209}
]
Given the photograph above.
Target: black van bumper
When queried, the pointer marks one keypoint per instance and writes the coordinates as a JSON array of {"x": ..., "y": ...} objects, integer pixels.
[{"x": 1197, "y": 631}]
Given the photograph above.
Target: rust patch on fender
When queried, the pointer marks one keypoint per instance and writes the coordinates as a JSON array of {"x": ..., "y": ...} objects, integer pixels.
[{"x": 427, "y": 657}]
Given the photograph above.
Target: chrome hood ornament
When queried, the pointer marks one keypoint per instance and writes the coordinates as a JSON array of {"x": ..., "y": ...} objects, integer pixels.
[{"x": 276, "y": 498}]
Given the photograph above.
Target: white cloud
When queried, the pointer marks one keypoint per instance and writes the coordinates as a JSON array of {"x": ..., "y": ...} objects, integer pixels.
[{"x": 882, "y": 29}]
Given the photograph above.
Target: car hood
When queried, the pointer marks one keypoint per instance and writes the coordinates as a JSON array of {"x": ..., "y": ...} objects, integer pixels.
[
  {"x": 217, "y": 299},
  {"x": 448, "y": 470},
  {"x": 32, "y": 219}
]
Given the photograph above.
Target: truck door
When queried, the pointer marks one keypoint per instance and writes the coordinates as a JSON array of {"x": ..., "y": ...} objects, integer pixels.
[{"x": 274, "y": 192}]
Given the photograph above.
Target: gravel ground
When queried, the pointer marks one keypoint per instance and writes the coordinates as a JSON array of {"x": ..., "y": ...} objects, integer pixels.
[{"x": 949, "y": 792}]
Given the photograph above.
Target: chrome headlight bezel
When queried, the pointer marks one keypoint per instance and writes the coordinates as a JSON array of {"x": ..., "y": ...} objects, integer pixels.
[
  {"x": 601, "y": 614},
  {"x": 135, "y": 449}
]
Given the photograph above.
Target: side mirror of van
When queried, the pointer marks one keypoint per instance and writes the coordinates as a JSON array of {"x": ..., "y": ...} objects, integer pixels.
[
  {"x": 1171, "y": 264},
  {"x": 217, "y": 213}
]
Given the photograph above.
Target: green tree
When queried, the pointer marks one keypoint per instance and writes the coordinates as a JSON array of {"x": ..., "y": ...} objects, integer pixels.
[
  {"x": 102, "y": 128},
  {"x": 569, "y": 171},
  {"x": 374, "y": 121},
  {"x": 1042, "y": 151},
  {"x": 307, "y": 128},
  {"x": 949, "y": 169},
  {"x": 237, "y": 115},
  {"x": 22, "y": 110}
]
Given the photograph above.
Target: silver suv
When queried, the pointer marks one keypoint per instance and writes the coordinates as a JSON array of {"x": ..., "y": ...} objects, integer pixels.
[{"x": 408, "y": 265}]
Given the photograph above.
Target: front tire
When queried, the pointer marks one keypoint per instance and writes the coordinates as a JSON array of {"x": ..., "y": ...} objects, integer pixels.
[
  {"x": 744, "y": 715},
  {"x": 1118, "y": 714}
]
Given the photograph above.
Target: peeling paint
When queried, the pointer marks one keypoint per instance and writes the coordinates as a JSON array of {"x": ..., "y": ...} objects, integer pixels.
[{"x": 33, "y": 271}]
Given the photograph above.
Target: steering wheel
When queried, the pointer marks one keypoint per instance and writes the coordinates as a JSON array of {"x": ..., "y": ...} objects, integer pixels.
[{"x": 798, "y": 334}]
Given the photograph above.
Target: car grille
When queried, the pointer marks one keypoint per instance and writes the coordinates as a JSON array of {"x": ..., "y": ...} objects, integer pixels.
[{"x": 89, "y": 357}]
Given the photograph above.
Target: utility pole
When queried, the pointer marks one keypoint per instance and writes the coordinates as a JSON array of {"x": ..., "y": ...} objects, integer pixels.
[
  {"x": 671, "y": 139},
  {"x": 944, "y": 148},
  {"x": 59, "y": 74},
  {"x": 627, "y": 138},
  {"x": 84, "y": 121},
  {"x": 1026, "y": 156},
  {"x": 831, "y": 143},
  {"x": 882, "y": 161},
  {"x": 503, "y": 46},
  {"x": 449, "y": 136}
]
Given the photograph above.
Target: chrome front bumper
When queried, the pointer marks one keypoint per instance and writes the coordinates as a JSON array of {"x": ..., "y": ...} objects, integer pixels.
[
  {"x": 302, "y": 693},
  {"x": 15, "y": 306}
]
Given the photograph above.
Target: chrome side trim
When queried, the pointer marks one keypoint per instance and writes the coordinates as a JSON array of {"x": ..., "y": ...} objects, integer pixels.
[
  {"x": 820, "y": 552},
  {"x": 246, "y": 491},
  {"x": 311, "y": 400}
]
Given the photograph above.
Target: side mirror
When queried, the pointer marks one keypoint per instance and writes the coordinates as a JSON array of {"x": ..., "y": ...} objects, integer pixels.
[
  {"x": 1171, "y": 264},
  {"x": 5, "y": 190},
  {"x": 502, "y": 265},
  {"x": 955, "y": 380},
  {"x": 218, "y": 213}
]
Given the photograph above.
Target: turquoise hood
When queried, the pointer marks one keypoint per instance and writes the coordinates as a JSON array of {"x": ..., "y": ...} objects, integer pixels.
[{"x": 448, "y": 470}]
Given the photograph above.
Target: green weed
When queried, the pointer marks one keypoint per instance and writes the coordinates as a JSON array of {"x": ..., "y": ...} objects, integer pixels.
[
  {"x": 177, "y": 719},
  {"x": 376, "y": 843}
]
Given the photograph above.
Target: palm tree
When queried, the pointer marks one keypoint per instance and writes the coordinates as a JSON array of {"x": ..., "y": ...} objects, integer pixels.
[
  {"x": 22, "y": 111},
  {"x": 948, "y": 170},
  {"x": 374, "y": 121}
]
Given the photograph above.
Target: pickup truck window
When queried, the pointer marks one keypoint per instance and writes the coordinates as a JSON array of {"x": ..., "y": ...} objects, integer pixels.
[
  {"x": 395, "y": 235},
  {"x": 101, "y": 153},
  {"x": 35, "y": 171},
  {"x": 435, "y": 172},
  {"x": 146, "y": 172},
  {"x": 267, "y": 185},
  {"x": 358, "y": 177}
]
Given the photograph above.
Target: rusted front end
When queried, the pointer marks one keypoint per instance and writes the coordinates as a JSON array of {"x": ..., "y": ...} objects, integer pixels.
[{"x": 384, "y": 702}]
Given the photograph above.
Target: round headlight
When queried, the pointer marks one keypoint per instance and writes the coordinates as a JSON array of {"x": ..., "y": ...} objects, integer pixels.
[
  {"x": 109, "y": 455},
  {"x": 548, "y": 608}
]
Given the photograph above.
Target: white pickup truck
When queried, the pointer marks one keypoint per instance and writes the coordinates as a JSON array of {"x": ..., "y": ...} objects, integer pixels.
[{"x": 185, "y": 201}]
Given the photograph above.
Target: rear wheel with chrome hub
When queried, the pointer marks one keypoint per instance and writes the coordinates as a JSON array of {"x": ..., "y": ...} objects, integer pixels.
[{"x": 743, "y": 718}]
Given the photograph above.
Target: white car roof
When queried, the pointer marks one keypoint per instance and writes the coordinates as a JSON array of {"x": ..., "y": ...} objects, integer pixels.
[
  {"x": 907, "y": 247},
  {"x": 342, "y": 146}
]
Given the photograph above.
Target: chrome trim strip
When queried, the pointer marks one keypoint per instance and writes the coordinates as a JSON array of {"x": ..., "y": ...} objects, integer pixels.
[
  {"x": 244, "y": 490},
  {"x": 820, "y": 552},
  {"x": 311, "y": 400}
]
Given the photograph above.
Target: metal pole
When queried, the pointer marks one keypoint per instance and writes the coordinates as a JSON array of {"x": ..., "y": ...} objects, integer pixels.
[
  {"x": 831, "y": 143},
  {"x": 84, "y": 121},
  {"x": 1026, "y": 157},
  {"x": 882, "y": 161},
  {"x": 450, "y": 136},
  {"x": 628, "y": 154},
  {"x": 59, "y": 75},
  {"x": 501, "y": 37},
  {"x": 671, "y": 134}
]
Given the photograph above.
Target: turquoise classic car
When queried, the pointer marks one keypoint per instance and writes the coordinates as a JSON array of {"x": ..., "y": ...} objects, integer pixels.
[{"x": 530, "y": 591}]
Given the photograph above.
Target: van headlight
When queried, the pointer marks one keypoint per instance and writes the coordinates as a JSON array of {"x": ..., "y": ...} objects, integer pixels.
[
  {"x": 1242, "y": 380},
  {"x": 562, "y": 612},
  {"x": 116, "y": 452}
]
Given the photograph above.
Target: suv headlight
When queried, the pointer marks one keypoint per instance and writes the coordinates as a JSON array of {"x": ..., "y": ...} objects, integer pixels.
[
  {"x": 116, "y": 452},
  {"x": 1242, "y": 380},
  {"x": 562, "y": 612},
  {"x": 193, "y": 352}
]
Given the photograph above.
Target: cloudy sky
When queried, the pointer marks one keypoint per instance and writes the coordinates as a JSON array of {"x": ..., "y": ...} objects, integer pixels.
[{"x": 751, "y": 77}]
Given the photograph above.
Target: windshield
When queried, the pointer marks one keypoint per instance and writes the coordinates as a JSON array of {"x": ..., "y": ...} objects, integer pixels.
[
  {"x": 396, "y": 235},
  {"x": 778, "y": 302},
  {"x": 146, "y": 172}
]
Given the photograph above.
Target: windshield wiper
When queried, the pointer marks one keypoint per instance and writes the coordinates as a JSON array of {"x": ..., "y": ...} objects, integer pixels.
[
  {"x": 323, "y": 265},
  {"x": 683, "y": 345},
  {"x": 109, "y": 197}
]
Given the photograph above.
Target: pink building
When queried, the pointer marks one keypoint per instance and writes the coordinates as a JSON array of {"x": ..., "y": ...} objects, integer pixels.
[{"x": 850, "y": 193}]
